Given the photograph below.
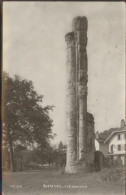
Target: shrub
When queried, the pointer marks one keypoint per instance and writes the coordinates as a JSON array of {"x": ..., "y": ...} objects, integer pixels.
[{"x": 112, "y": 174}]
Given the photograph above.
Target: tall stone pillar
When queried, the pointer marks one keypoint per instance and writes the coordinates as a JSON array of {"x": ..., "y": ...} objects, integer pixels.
[
  {"x": 71, "y": 105},
  {"x": 80, "y": 31}
]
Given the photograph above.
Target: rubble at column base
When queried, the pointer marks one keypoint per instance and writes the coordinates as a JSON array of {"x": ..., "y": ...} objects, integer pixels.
[
  {"x": 78, "y": 168},
  {"x": 71, "y": 169},
  {"x": 82, "y": 167}
]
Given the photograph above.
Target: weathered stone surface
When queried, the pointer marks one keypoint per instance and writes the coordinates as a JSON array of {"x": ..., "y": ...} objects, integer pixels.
[
  {"x": 81, "y": 37},
  {"x": 90, "y": 139},
  {"x": 80, "y": 23},
  {"x": 79, "y": 123},
  {"x": 80, "y": 27},
  {"x": 71, "y": 105}
]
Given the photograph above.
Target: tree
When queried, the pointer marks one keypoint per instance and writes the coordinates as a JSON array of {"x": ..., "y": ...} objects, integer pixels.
[
  {"x": 25, "y": 120},
  {"x": 60, "y": 147},
  {"x": 62, "y": 154},
  {"x": 105, "y": 134}
]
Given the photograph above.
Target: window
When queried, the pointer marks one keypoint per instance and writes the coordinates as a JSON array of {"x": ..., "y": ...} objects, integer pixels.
[
  {"x": 125, "y": 136},
  {"x": 125, "y": 147},
  {"x": 119, "y": 136},
  {"x": 111, "y": 148},
  {"x": 119, "y": 147}
]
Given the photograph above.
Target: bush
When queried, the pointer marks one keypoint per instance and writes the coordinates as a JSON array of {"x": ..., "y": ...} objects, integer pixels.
[
  {"x": 90, "y": 167},
  {"x": 112, "y": 174}
]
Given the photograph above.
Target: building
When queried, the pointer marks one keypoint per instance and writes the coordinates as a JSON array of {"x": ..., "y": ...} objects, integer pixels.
[
  {"x": 114, "y": 146},
  {"x": 101, "y": 146}
]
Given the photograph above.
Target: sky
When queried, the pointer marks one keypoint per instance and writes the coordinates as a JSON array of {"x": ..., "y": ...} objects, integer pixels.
[{"x": 34, "y": 48}]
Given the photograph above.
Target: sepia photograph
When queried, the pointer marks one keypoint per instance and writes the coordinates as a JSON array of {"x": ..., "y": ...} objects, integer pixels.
[{"x": 63, "y": 98}]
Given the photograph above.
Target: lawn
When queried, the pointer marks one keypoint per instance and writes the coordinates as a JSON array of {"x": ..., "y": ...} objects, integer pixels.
[{"x": 47, "y": 182}]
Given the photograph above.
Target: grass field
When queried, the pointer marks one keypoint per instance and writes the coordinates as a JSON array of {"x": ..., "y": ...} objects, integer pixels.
[{"x": 47, "y": 182}]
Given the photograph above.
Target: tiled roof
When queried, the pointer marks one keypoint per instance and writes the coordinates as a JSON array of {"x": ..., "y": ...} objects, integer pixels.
[
  {"x": 114, "y": 132},
  {"x": 103, "y": 136}
]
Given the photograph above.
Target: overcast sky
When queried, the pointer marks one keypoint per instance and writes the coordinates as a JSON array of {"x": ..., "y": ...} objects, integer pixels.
[{"x": 34, "y": 48}]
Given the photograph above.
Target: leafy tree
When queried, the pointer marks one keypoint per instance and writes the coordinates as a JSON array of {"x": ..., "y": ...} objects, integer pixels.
[
  {"x": 25, "y": 121},
  {"x": 26, "y": 159},
  {"x": 105, "y": 134},
  {"x": 62, "y": 154},
  {"x": 60, "y": 147}
]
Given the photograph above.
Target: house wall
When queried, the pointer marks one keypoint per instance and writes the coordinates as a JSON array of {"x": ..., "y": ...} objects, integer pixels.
[
  {"x": 101, "y": 147},
  {"x": 104, "y": 148},
  {"x": 115, "y": 142},
  {"x": 96, "y": 145}
]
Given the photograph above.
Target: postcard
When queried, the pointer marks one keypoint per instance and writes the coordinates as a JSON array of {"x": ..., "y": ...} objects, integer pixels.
[{"x": 63, "y": 98}]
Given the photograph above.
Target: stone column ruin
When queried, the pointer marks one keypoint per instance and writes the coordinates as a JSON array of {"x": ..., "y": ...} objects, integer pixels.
[
  {"x": 71, "y": 104},
  {"x": 77, "y": 119},
  {"x": 80, "y": 30}
]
